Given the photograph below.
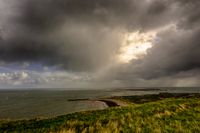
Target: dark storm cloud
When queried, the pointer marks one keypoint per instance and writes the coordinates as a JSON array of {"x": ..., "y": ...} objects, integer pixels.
[
  {"x": 171, "y": 55},
  {"x": 175, "y": 51},
  {"x": 47, "y": 14},
  {"x": 82, "y": 35},
  {"x": 76, "y": 34},
  {"x": 65, "y": 50},
  {"x": 190, "y": 14},
  {"x": 55, "y": 33}
]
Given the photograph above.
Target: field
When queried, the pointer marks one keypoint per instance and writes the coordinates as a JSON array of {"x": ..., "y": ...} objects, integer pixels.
[{"x": 150, "y": 113}]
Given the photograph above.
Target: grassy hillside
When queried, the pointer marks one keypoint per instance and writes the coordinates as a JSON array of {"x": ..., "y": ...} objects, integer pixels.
[{"x": 163, "y": 114}]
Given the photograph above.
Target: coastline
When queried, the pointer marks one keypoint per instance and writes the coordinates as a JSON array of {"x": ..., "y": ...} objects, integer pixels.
[
  {"x": 146, "y": 113},
  {"x": 125, "y": 100}
]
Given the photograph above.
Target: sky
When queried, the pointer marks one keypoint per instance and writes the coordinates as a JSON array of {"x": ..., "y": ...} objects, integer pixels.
[{"x": 99, "y": 43}]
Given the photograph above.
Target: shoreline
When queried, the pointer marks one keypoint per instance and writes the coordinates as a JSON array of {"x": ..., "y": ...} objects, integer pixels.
[
  {"x": 118, "y": 101},
  {"x": 121, "y": 101}
]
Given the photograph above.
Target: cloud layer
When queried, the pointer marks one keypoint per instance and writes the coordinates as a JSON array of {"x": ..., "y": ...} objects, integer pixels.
[{"x": 86, "y": 36}]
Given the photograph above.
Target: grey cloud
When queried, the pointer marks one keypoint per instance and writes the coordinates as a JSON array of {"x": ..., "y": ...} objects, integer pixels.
[
  {"x": 174, "y": 58},
  {"x": 14, "y": 78},
  {"x": 82, "y": 35},
  {"x": 176, "y": 52},
  {"x": 28, "y": 78},
  {"x": 173, "y": 54},
  {"x": 38, "y": 33}
]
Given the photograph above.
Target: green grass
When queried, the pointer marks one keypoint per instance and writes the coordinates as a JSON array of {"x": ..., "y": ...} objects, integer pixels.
[{"x": 174, "y": 114}]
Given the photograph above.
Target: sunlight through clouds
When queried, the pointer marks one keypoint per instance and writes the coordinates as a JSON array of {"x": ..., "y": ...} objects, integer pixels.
[{"x": 135, "y": 45}]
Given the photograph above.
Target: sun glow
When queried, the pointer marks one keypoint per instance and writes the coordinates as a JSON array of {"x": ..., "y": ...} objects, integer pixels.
[{"x": 135, "y": 46}]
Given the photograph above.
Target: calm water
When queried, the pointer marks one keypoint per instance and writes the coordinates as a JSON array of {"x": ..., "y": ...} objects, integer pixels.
[{"x": 30, "y": 104}]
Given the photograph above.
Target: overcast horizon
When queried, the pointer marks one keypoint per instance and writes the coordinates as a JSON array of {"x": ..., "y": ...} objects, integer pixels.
[{"x": 99, "y": 43}]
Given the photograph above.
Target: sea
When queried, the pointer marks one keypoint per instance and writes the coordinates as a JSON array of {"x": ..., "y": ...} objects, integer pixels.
[{"x": 39, "y": 103}]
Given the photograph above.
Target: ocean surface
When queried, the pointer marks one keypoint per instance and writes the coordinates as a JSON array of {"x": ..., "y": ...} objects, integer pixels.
[{"x": 27, "y": 104}]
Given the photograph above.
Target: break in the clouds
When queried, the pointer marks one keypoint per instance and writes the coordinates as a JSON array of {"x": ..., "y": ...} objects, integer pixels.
[{"x": 99, "y": 43}]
